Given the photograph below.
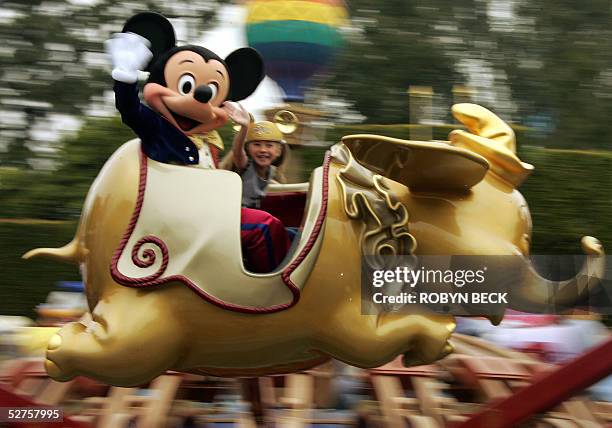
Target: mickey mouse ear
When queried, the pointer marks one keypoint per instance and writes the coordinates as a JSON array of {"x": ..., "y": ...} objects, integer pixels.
[
  {"x": 155, "y": 28},
  {"x": 246, "y": 71}
]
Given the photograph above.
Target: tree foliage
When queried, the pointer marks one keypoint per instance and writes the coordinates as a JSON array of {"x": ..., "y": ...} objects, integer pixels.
[
  {"x": 553, "y": 59},
  {"x": 558, "y": 60},
  {"x": 397, "y": 44},
  {"x": 60, "y": 194}
]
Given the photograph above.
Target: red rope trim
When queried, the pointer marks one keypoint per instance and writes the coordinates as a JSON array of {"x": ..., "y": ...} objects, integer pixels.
[
  {"x": 149, "y": 254},
  {"x": 154, "y": 279},
  {"x": 316, "y": 230}
]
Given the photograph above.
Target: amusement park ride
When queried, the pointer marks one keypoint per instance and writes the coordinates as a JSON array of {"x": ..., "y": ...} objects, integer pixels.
[{"x": 159, "y": 248}]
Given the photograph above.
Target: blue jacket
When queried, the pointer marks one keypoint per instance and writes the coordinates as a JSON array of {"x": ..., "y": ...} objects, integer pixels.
[{"x": 161, "y": 140}]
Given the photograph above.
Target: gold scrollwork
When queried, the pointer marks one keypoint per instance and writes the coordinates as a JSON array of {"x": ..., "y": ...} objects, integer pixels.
[{"x": 367, "y": 197}]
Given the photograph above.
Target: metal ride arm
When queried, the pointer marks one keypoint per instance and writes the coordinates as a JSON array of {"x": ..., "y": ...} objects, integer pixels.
[{"x": 545, "y": 392}]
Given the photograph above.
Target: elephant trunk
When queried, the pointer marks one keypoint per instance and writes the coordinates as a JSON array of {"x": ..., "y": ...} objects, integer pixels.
[
  {"x": 69, "y": 253},
  {"x": 537, "y": 294}
]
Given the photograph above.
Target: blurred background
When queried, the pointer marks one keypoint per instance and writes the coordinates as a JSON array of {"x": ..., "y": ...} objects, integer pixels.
[{"x": 391, "y": 68}]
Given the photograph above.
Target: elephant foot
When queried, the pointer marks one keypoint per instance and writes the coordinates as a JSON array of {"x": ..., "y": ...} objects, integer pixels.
[
  {"x": 58, "y": 364},
  {"x": 411, "y": 359},
  {"x": 111, "y": 347},
  {"x": 56, "y": 373},
  {"x": 420, "y": 338},
  {"x": 431, "y": 344}
]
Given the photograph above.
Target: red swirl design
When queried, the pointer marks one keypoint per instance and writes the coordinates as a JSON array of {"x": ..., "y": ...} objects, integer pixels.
[{"x": 148, "y": 257}]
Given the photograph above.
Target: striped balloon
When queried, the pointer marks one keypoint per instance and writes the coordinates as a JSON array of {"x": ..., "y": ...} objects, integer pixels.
[{"x": 296, "y": 38}]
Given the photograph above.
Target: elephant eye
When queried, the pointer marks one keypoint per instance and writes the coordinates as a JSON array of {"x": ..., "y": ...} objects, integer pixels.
[{"x": 186, "y": 84}]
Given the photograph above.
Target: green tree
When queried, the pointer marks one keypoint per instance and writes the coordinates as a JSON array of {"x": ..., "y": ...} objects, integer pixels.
[
  {"x": 60, "y": 194},
  {"x": 557, "y": 56},
  {"x": 552, "y": 58},
  {"x": 396, "y": 44}
]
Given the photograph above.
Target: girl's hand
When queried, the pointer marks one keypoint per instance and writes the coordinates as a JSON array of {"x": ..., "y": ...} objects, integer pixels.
[{"x": 237, "y": 113}]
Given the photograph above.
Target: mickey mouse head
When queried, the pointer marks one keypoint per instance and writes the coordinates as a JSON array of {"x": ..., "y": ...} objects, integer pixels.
[{"x": 188, "y": 84}]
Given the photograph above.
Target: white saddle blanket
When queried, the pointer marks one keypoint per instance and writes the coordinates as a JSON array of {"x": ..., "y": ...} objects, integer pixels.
[{"x": 186, "y": 228}]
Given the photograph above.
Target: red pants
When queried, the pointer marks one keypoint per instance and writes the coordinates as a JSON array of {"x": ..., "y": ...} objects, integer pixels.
[{"x": 264, "y": 240}]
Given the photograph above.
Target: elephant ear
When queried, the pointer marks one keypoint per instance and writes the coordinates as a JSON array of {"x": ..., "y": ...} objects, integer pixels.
[
  {"x": 492, "y": 138},
  {"x": 423, "y": 166},
  {"x": 246, "y": 70},
  {"x": 155, "y": 28}
]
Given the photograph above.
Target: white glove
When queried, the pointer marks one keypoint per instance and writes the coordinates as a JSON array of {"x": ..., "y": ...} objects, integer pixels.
[{"x": 129, "y": 53}]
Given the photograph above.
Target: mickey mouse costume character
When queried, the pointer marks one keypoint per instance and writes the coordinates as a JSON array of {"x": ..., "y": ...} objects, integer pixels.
[{"x": 185, "y": 92}]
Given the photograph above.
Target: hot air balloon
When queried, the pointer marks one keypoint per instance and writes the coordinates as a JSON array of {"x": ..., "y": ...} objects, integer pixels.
[{"x": 297, "y": 39}]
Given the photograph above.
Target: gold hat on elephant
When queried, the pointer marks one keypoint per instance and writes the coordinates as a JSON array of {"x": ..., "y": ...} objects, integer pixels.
[{"x": 264, "y": 131}]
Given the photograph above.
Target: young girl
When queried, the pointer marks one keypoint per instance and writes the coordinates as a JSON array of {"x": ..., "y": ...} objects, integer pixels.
[{"x": 257, "y": 149}]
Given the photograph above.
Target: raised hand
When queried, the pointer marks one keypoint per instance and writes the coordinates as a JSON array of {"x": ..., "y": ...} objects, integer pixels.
[
  {"x": 129, "y": 53},
  {"x": 237, "y": 113}
]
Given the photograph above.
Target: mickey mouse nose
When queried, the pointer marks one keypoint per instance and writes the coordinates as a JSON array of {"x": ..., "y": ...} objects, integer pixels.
[{"x": 203, "y": 93}]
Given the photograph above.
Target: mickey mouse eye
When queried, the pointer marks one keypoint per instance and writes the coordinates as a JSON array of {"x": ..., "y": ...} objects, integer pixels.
[
  {"x": 186, "y": 84},
  {"x": 214, "y": 89}
]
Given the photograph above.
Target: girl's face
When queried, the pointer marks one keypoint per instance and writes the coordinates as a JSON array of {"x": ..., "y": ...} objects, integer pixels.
[{"x": 264, "y": 153}]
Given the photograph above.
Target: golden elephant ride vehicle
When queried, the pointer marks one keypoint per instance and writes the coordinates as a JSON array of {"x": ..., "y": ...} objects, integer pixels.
[{"x": 159, "y": 250}]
